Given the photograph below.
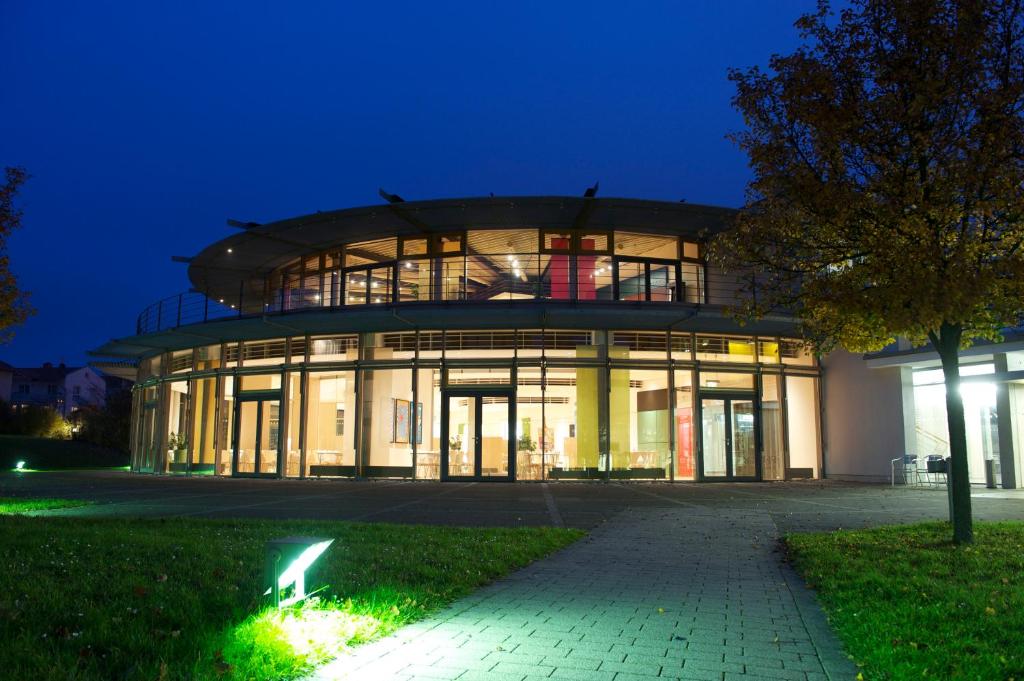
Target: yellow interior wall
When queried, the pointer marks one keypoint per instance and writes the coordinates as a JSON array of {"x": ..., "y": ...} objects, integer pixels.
[
  {"x": 741, "y": 348},
  {"x": 618, "y": 411},
  {"x": 588, "y": 442}
]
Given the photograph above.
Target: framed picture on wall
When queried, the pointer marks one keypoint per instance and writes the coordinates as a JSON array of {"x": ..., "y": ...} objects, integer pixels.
[{"x": 401, "y": 421}]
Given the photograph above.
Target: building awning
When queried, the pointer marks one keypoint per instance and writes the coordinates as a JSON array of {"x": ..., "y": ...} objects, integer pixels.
[{"x": 467, "y": 316}]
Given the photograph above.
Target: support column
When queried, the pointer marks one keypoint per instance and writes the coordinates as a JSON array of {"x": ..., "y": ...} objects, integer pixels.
[{"x": 1010, "y": 420}]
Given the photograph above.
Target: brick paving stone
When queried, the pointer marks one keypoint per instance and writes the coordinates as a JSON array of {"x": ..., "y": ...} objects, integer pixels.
[{"x": 690, "y": 593}]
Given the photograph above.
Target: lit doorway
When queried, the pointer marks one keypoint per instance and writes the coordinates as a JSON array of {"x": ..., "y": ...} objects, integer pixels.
[
  {"x": 475, "y": 437},
  {"x": 729, "y": 438},
  {"x": 257, "y": 436}
]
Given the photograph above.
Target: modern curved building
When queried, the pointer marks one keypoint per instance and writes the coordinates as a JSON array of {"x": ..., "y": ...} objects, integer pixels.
[{"x": 502, "y": 338}]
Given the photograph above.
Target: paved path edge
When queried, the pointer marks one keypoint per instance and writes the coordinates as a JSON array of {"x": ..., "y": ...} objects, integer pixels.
[{"x": 823, "y": 637}]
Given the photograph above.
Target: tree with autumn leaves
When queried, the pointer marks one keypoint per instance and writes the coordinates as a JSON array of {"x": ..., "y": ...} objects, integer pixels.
[
  {"x": 14, "y": 307},
  {"x": 887, "y": 198}
]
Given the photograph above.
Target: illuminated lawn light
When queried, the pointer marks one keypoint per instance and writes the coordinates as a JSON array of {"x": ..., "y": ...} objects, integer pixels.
[
  {"x": 285, "y": 566},
  {"x": 20, "y": 466}
]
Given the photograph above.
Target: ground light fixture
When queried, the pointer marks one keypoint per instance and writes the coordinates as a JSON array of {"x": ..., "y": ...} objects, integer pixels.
[
  {"x": 285, "y": 566},
  {"x": 20, "y": 466}
]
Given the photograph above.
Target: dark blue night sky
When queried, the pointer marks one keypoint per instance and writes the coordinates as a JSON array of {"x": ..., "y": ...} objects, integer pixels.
[{"x": 146, "y": 125}]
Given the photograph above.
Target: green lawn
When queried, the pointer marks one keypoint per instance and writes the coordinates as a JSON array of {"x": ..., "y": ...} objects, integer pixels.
[
  {"x": 908, "y": 604},
  {"x": 10, "y": 505},
  {"x": 180, "y": 599},
  {"x": 41, "y": 453}
]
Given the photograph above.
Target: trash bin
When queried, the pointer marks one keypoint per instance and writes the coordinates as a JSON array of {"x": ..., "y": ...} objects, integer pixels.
[{"x": 990, "y": 473}]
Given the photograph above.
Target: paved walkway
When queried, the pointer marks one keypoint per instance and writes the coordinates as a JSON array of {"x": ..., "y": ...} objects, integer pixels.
[{"x": 688, "y": 592}]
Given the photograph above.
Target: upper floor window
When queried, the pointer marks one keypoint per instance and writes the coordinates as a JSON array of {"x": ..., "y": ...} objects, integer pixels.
[
  {"x": 646, "y": 245},
  {"x": 495, "y": 264}
]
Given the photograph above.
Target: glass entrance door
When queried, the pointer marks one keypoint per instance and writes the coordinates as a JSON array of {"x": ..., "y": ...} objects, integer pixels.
[
  {"x": 475, "y": 438},
  {"x": 729, "y": 438},
  {"x": 257, "y": 436}
]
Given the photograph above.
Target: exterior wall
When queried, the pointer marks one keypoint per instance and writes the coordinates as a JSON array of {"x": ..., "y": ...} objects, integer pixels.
[
  {"x": 90, "y": 386},
  {"x": 41, "y": 393},
  {"x": 5, "y": 385},
  {"x": 865, "y": 412}
]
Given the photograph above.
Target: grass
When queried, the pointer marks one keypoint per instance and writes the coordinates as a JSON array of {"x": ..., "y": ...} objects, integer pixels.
[
  {"x": 9, "y": 505},
  {"x": 180, "y": 599},
  {"x": 907, "y": 603},
  {"x": 41, "y": 453}
]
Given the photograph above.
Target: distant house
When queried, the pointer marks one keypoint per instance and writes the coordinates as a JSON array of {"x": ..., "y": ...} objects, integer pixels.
[
  {"x": 64, "y": 389},
  {"x": 6, "y": 376}
]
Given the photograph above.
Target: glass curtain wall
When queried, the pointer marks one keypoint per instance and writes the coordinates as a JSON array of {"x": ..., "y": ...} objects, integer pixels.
[
  {"x": 387, "y": 431},
  {"x": 931, "y": 430},
  {"x": 802, "y": 426},
  {"x": 330, "y": 424},
  {"x": 292, "y": 438},
  {"x": 685, "y": 436},
  {"x": 428, "y": 423},
  {"x": 177, "y": 426},
  {"x": 586, "y": 405},
  {"x": 533, "y": 438},
  {"x": 773, "y": 458},
  {"x": 572, "y": 418},
  {"x": 204, "y": 401},
  {"x": 225, "y": 426},
  {"x": 639, "y": 423}
]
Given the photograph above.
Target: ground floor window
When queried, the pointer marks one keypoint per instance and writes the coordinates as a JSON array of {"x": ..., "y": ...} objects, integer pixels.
[
  {"x": 585, "y": 415},
  {"x": 931, "y": 432},
  {"x": 803, "y": 429},
  {"x": 330, "y": 423}
]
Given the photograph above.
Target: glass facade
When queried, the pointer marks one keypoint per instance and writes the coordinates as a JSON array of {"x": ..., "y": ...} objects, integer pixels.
[
  {"x": 491, "y": 264},
  {"x": 980, "y": 418},
  {"x": 574, "y": 395},
  {"x": 537, "y": 404}
]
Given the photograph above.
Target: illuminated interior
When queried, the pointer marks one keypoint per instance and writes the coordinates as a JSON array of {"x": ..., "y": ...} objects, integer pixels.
[
  {"x": 522, "y": 338},
  {"x": 488, "y": 405}
]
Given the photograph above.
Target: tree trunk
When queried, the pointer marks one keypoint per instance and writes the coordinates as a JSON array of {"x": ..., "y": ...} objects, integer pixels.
[{"x": 947, "y": 344}]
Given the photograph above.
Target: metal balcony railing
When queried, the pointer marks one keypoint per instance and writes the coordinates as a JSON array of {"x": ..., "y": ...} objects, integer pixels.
[{"x": 462, "y": 278}]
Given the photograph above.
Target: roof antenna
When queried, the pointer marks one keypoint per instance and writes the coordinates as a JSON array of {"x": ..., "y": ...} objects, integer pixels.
[
  {"x": 591, "y": 191},
  {"x": 390, "y": 198}
]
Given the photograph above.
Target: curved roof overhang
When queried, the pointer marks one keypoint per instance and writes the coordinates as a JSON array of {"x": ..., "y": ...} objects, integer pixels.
[
  {"x": 471, "y": 316},
  {"x": 219, "y": 269}
]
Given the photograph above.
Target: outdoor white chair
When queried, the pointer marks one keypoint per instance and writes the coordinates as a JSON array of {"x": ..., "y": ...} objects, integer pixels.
[{"x": 905, "y": 467}]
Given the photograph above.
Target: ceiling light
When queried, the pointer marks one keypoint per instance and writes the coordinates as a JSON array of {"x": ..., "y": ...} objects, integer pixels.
[{"x": 230, "y": 251}]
